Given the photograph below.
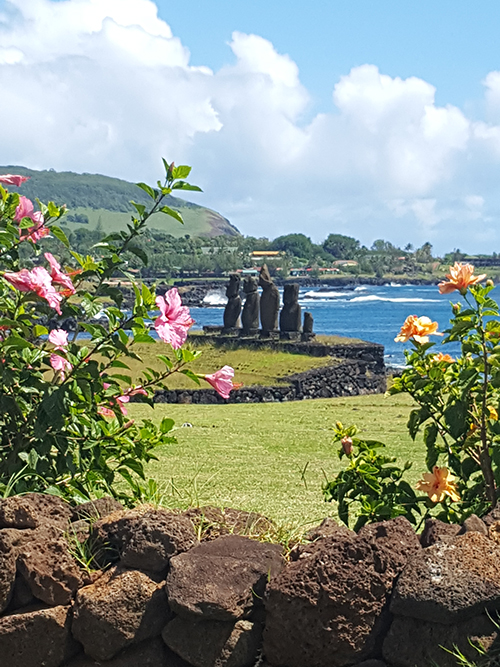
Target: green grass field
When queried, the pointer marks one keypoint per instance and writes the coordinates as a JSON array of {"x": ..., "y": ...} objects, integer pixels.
[
  {"x": 252, "y": 367},
  {"x": 270, "y": 458},
  {"x": 197, "y": 222}
]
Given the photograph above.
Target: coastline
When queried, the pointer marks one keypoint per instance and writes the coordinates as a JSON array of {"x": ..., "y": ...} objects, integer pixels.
[{"x": 194, "y": 291}]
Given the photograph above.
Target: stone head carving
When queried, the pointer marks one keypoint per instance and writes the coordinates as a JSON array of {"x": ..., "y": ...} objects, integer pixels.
[
  {"x": 265, "y": 280},
  {"x": 249, "y": 285},
  {"x": 291, "y": 293},
  {"x": 233, "y": 288}
]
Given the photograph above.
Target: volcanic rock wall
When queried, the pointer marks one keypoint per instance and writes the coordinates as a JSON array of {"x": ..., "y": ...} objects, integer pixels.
[{"x": 191, "y": 589}]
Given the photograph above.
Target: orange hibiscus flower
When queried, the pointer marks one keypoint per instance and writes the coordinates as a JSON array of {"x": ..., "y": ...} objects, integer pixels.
[
  {"x": 438, "y": 484},
  {"x": 459, "y": 278},
  {"x": 437, "y": 358},
  {"x": 418, "y": 328}
]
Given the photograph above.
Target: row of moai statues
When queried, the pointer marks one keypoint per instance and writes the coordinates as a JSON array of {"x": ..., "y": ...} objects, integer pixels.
[{"x": 265, "y": 307}]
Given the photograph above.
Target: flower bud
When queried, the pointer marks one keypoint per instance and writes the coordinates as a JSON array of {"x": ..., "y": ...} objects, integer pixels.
[
  {"x": 346, "y": 443},
  {"x": 490, "y": 283},
  {"x": 456, "y": 308}
]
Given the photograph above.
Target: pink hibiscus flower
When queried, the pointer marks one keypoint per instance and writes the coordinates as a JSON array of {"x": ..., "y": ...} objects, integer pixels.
[
  {"x": 13, "y": 179},
  {"x": 60, "y": 364},
  {"x": 25, "y": 210},
  {"x": 173, "y": 324},
  {"x": 39, "y": 281},
  {"x": 105, "y": 412},
  {"x": 222, "y": 381},
  {"x": 59, "y": 338},
  {"x": 58, "y": 277}
]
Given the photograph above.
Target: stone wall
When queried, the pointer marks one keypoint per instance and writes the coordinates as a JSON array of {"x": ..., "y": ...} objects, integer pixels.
[
  {"x": 166, "y": 599},
  {"x": 361, "y": 372}
]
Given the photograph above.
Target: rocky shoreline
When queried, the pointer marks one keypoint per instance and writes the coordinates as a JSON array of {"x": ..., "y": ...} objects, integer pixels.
[{"x": 193, "y": 293}]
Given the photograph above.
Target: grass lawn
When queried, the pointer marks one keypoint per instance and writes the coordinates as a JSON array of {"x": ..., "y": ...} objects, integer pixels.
[
  {"x": 270, "y": 457},
  {"x": 262, "y": 367}
]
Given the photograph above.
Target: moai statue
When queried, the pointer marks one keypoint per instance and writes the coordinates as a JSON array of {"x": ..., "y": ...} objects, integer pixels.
[
  {"x": 269, "y": 301},
  {"x": 233, "y": 307},
  {"x": 307, "y": 327},
  {"x": 250, "y": 315},
  {"x": 290, "y": 316}
]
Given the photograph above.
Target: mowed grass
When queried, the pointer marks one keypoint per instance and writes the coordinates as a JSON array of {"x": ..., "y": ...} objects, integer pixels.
[
  {"x": 252, "y": 367},
  {"x": 270, "y": 458}
]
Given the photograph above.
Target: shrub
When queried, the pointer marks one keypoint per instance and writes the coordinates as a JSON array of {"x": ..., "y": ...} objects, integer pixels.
[
  {"x": 457, "y": 413},
  {"x": 63, "y": 396}
]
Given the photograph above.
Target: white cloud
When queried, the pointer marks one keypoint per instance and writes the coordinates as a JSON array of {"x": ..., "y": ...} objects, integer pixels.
[{"x": 104, "y": 86}]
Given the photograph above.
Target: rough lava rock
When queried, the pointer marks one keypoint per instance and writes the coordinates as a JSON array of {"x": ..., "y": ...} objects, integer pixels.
[
  {"x": 222, "y": 579},
  {"x": 145, "y": 538},
  {"x": 36, "y": 638},
  {"x": 7, "y": 571},
  {"x": 438, "y": 531},
  {"x": 151, "y": 653},
  {"x": 329, "y": 607},
  {"x": 327, "y": 528},
  {"x": 121, "y": 608},
  {"x": 96, "y": 509},
  {"x": 214, "y": 643},
  {"x": 413, "y": 642},
  {"x": 33, "y": 510},
  {"x": 450, "y": 582},
  {"x": 48, "y": 568},
  {"x": 473, "y": 523}
]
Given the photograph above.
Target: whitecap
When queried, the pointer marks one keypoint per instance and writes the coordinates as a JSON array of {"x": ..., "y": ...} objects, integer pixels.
[
  {"x": 374, "y": 297},
  {"x": 322, "y": 295},
  {"x": 215, "y": 299}
]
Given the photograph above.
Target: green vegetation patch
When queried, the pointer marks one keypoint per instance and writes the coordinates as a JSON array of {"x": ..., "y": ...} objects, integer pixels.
[
  {"x": 252, "y": 367},
  {"x": 270, "y": 457}
]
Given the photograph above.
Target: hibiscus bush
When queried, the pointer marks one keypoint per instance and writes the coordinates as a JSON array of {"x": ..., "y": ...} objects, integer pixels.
[
  {"x": 64, "y": 426},
  {"x": 457, "y": 406}
]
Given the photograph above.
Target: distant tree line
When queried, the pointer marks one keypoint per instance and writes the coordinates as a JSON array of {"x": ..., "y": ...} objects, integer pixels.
[{"x": 170, "y": 256}]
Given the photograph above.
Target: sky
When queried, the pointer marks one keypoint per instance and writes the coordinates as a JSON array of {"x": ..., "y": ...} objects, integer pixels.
[{"x": 371, "y": 119}]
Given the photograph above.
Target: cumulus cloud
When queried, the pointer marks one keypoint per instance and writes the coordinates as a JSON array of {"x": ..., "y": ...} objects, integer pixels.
[{"x": 104, "y": 86}]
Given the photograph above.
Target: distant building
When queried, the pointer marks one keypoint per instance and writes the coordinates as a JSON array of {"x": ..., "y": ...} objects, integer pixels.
[
  {"x": 260, "y": 255},
  {"x": 345, "y": 262}
]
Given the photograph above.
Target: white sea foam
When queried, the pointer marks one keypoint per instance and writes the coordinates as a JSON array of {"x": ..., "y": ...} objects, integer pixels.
[
  {"x": 322, "y": 295},
  {"x": 374, "y": 297},
  {"x": 360, "y": 288},
  {"x": 215, "y": 299}
]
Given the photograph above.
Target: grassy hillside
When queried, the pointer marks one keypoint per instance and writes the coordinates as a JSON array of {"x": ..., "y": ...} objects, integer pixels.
[{"x": 93, "y": 199}]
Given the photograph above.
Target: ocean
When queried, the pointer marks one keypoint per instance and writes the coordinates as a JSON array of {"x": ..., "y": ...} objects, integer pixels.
[{"x": 370, "y": 312}]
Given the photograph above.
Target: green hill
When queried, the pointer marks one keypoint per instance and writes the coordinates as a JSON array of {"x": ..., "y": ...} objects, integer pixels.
[{"x": 93, "y": 199}]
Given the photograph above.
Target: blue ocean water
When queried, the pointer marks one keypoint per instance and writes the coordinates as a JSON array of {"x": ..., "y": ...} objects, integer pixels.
[{"x": 370, "y": 312}]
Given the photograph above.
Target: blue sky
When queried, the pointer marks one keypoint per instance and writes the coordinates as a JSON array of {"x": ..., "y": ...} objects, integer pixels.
[
  {"x": 376, "y": 119},
  {"x": 452, "y": 44}
]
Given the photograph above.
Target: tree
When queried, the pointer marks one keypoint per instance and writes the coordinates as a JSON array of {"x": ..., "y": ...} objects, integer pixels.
[
  {"x": 298, "y": 245},
  {"x": 341, "y": 247}
]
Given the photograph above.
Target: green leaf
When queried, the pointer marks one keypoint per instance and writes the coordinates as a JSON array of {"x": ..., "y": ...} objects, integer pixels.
[
  {"x": 182, "y": 185},
  {"x": 134, "y": 465},
  {"x": 456, "y": 418},
  {"x": 189, "y": 373},
  {"x": 39, "y": 330},
  {"x": 165, "y": 360},
  {"x": 138, "y": 252},
  {"x": 123, "y": 378},
  {"x": 173, "y": 214},
  {"x": 148, "y": 189},
  {"x": 118, "y": 364},
  {"x": 182, "y": 171},
  {"x": 59, "y": 234},
  {"x": 142, "y": 337},
  {"x": 140, "y": 208}
]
